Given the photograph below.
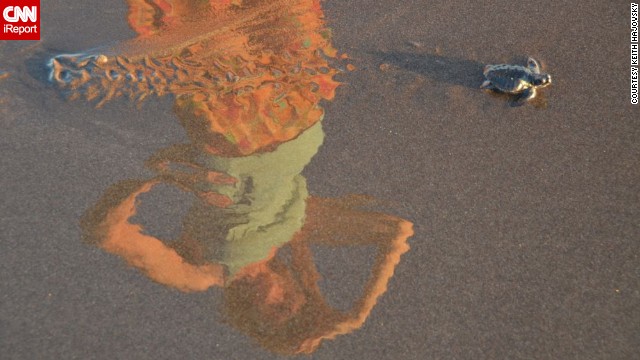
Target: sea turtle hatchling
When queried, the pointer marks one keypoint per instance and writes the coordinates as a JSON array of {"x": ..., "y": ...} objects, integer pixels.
[{"x": 518, "y": 80}]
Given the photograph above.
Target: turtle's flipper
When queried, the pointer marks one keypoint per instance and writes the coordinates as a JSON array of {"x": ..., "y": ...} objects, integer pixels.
[
  {"x": 486, "y": 85},
  {"x": 524, "y": 97},
  {"x": 533, "y": 65}
]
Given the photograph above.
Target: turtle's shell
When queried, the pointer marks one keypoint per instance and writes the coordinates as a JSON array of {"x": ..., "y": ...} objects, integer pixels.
[{"x": 511, "y": 79}]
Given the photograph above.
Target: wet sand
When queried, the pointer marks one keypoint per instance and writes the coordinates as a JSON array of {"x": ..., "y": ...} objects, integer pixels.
[{"x": 525, "y": 218}]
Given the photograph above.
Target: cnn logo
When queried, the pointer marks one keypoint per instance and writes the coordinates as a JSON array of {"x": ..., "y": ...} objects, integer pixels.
[
  {"x": 15, "y": 13},
  {"x": 20, "y": 20}
]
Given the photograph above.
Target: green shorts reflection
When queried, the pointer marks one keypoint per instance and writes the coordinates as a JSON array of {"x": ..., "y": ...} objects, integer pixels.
[{"x": 249, "y": 210}]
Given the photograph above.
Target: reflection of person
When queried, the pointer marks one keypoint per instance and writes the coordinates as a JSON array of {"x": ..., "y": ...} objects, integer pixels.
[
  {"x": 248, "y": 209},
  {"x": 247, "y": 93},
  {"x": 279, "y": 303}
]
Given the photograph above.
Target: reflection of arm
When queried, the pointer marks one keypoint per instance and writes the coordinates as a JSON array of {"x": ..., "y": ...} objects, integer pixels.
[
  {"x": 107, "y": 225},
  {"x": 330, "y": 223}
]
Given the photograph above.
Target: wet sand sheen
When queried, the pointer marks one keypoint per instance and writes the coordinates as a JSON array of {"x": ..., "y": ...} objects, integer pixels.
[{"x": 525, "y": 218}]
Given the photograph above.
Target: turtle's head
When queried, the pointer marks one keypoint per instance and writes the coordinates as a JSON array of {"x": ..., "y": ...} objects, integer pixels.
[{"x": 542, "y": 80}]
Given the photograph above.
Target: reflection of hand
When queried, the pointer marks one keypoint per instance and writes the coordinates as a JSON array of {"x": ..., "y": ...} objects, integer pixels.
[{"x": 178, "y": 165}]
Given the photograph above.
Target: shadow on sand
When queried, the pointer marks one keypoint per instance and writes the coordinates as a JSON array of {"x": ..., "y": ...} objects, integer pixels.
[{"x": 449, "y": 70}]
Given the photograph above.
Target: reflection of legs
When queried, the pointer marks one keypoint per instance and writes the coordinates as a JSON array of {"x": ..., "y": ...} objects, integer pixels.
[
  {"x": 338, "y": 222},
  {"x": 301, "y": 328},
  {"x": 335, "y": 223},
  {"x": 107, "y": 226}
]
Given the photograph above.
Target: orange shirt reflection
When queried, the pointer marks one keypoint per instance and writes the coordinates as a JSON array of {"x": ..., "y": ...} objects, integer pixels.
[
  {"x": 271, "y": 59},
  {"x": 247, "y": 76}
]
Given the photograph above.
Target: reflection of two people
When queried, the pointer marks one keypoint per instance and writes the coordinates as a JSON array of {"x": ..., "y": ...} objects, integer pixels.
[{"x": 252, "y": 222}]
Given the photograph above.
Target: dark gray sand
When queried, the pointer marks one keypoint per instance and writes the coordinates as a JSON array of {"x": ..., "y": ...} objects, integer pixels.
[{"x": 526, "y": 222}]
